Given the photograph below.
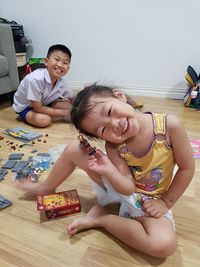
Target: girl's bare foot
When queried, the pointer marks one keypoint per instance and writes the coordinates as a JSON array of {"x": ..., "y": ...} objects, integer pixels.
[
  {"x": 90, "y": 220},
  {"x": 35, "y": 188}
]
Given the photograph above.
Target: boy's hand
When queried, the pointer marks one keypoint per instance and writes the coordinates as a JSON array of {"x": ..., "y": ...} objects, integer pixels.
[
  {"x": 155, "y": 208},
  {"x": 63, "y": 99}
]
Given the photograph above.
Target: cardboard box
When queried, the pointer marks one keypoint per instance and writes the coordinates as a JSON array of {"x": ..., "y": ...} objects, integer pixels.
[{"x": 59, "y": 204}]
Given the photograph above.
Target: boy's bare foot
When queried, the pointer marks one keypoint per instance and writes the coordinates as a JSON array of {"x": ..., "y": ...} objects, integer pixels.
[
  {"x": 90, "y": 220},
  {"x": 35, "y": 188}
]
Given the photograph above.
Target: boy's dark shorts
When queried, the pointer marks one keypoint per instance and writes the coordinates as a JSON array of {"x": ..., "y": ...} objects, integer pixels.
[{"x": 23, "y": 113}]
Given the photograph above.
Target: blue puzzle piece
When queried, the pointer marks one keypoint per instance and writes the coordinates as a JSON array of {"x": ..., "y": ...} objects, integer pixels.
[
  {"x": 4, "y": 202},
  {"x": 16, "y": 156},
  {"x": 20, "y": 165}
]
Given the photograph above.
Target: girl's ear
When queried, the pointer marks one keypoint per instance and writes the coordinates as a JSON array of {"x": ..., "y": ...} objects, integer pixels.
[{"x": 119, "y": 95}]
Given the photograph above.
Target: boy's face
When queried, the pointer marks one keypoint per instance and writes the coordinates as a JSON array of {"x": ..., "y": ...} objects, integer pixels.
[{"x": 57, "y": 64}]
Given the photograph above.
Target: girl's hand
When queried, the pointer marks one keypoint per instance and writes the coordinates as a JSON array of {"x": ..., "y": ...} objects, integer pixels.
[
  {"x": 100, "y": 163},
  {"x": 155, "y": 208}
]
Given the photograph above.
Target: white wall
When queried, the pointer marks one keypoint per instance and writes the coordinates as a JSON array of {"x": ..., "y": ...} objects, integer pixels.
[{"x": 143, "y": 46}]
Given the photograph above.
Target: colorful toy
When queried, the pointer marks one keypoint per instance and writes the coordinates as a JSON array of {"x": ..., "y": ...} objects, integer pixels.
[
  {"x": 26, "y": 173},
  {"x": 59, "y": 204},
  {"x": 195, "y": 144},
  {"x": 42, "y": 162},
  {"x": 86, "y": 145},
  {"x": 192, "y": 96}
]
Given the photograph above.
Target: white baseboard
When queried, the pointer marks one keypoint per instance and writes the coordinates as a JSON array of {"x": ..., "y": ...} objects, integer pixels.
[{"x": 165, "y": 92}]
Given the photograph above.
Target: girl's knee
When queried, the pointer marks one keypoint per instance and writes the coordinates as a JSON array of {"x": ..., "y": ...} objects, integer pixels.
[
  {"x": 78, "y": 156},
  {"x": 73, "y": 149},
  {"x": 163, "y": 247}
]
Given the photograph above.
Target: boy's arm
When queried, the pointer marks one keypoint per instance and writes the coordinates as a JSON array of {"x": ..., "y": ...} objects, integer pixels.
[
  {"x": 39, "y": 108},
  {"x": 184, "y": 159}
]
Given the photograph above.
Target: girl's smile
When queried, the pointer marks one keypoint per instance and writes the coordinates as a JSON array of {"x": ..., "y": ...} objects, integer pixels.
[{"x": 114, "y": 121}]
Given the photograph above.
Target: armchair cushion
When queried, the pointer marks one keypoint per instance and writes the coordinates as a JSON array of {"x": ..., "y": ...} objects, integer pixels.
[
  {"x": 8, "y": 64},
  {"x": 4, "y": 66}
]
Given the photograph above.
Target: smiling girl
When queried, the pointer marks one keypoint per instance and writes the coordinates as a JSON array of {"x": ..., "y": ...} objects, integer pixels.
[{"x": 136, "y": 171}]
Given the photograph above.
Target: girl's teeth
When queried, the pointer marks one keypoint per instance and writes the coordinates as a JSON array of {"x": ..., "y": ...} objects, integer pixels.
[{"x": 125, "y": 127}]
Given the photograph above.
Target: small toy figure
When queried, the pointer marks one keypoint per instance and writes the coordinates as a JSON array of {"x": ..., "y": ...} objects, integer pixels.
[{"x": 85, "y": 145}]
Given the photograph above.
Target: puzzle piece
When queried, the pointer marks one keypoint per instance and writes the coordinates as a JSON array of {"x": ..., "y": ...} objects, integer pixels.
[
  {"x": 9, "y": 164},
  {"x": 43, "y": 154},
  {"x": 3, "y": 173},
  {"x": 16, "y": 156},
  {"x": 4, "y": 202},
  {"x": 20, "y": 165}
]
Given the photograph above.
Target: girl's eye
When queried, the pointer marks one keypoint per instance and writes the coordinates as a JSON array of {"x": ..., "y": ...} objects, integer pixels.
[
  {"x": 103, "y": 130},
  {"x": 109, "y": 112}
]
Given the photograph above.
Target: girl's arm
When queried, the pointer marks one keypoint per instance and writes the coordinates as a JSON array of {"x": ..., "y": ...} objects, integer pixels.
[
  {"x": 184, "y": 159},
  {"x": 120, "y": 178}
]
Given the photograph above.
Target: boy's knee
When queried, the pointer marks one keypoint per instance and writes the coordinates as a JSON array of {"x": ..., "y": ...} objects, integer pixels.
[
  {"x": 163, "y": 247},
  {"x": 44, "y": 121},
  {"x": 39, "y": 120}
]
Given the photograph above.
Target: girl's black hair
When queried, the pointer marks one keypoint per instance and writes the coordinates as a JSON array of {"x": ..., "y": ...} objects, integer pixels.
[{"x": 83, "y": 106}]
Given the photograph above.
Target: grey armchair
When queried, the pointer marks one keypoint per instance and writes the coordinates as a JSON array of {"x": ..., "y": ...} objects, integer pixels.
[{"x": 9, "y": 79}]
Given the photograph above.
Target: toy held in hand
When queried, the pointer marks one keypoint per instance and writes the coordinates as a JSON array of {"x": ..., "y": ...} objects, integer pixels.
[{"x": 86, "y": 145}]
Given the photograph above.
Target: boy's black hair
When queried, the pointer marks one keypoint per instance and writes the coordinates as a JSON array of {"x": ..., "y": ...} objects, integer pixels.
[{"x": 59, "y": 47}]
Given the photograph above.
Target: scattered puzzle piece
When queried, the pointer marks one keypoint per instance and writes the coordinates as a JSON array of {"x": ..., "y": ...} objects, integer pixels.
[
  {"x": 43, "y": 154},
  {"x": 4, "y": 202},
  {"x": 3, "y": 173},
  {"x": 9, "y": 164},
  {"x": 16, "y": 156},
  {"x": 20, "y": 165}
]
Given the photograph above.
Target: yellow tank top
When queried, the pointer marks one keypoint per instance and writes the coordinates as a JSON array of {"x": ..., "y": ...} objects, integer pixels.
[{"x": 153, "y": 172}]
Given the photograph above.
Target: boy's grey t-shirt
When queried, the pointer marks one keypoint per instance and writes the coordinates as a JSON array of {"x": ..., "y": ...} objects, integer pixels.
[{"x": 37, "y": 86}]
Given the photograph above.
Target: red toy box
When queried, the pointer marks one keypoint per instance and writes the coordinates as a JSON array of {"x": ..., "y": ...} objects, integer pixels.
[{"x": 59, "y": 204}]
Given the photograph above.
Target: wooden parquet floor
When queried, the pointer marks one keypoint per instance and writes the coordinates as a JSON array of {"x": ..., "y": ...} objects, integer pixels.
[{"x": 28, "y": 239}]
